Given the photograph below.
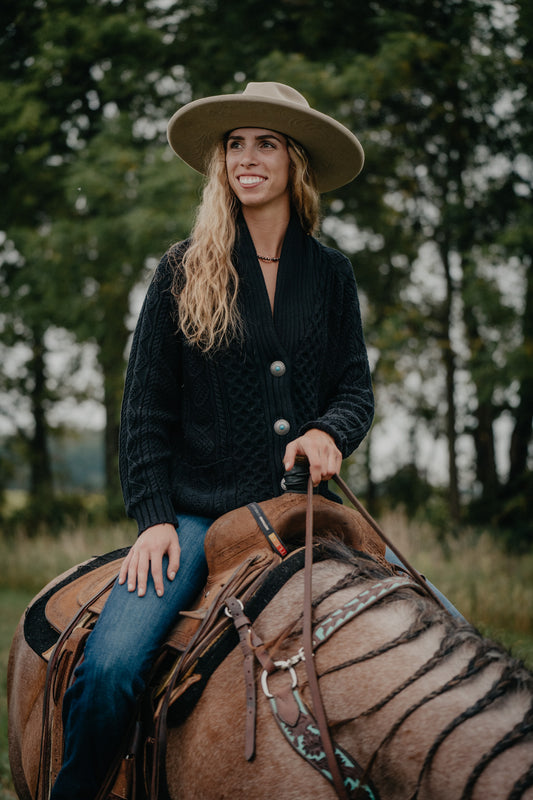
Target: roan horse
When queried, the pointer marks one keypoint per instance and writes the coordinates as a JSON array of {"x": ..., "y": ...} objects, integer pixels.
[{"x": 418, "y": 701}]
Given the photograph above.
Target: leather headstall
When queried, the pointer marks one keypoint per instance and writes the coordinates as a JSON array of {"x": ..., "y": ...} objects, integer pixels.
[{"x": 297, "y": 722}]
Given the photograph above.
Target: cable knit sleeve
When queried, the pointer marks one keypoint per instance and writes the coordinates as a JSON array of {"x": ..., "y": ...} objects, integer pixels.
[
  {"x": 150, "y": 407},
  {"x": 346, "y": 386}
]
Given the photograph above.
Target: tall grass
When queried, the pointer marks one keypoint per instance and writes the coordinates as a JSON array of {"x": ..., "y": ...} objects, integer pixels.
[
  {"x": 492, "y": 589},
  {"x": 31, "y": 562}
]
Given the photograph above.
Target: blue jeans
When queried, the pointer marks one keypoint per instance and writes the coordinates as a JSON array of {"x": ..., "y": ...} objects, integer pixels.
[{"x": 100, "y": 704}]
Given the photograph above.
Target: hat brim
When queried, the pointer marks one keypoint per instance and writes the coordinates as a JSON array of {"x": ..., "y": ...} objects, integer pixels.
[{"x": 336, "y": 155}]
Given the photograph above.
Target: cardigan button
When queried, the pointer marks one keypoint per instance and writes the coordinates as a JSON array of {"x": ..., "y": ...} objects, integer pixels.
[
  {"x": 281, "y": 427},
  {"x": 278, "y": 368}
]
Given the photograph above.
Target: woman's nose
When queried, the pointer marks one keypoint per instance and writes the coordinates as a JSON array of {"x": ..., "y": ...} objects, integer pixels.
[{"x": 248, "y": 157}]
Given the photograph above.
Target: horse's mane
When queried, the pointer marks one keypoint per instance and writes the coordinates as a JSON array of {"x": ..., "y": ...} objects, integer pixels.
[{"x": 512, "y": 676}]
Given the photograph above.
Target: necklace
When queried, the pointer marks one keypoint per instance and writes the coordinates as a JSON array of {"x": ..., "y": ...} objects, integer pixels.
[{"x": 266, "y": 258}]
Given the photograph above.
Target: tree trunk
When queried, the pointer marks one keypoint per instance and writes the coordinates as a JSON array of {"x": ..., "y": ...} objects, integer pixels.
[
  {"x": 521, "y": 436},
  {"x": 41, "y": 487},
  {"x": 485, "y": 414},
  {"x": 111, "y": 359},
  {"x": 451, "y": 433},
  {"x": 448, "y": 356},
  {"x": 485, "y": 455},
  {"x": 371, "y": 494},
  {"x": 115, "y": 506}
]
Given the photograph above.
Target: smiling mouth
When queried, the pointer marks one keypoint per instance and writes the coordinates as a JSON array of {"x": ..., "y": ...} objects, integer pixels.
[{"x": 250, "y": 180}]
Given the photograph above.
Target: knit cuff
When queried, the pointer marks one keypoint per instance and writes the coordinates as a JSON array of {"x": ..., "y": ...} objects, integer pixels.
[
  {"x": 321, "y": 425},
  {"x": 153, "y": 510}
]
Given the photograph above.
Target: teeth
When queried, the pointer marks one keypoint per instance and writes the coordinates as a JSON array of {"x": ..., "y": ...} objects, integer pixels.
[{"x": 250, "y": 180}]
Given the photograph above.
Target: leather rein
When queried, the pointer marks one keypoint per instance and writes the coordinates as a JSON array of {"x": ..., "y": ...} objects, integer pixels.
[{"x": 290, "y": 712}]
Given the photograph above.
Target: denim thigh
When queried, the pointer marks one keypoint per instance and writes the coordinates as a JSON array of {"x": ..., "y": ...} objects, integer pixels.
[{"x": 131, "y": 628}]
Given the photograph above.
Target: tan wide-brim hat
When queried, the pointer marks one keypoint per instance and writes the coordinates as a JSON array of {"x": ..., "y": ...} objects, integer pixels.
[{"x": 335, "y": 153}]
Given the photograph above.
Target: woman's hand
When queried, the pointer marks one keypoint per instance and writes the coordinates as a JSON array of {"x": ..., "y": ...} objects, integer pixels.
[
  {"x": 323, "y": 455},
  {"x": 147, "y": 554}
]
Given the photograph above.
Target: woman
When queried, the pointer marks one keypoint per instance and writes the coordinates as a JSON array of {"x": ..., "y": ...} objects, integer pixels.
[{"x": 248, "y": 352}]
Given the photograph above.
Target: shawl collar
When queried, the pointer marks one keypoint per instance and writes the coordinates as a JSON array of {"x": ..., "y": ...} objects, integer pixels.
[{"x": 296, "y": 288}]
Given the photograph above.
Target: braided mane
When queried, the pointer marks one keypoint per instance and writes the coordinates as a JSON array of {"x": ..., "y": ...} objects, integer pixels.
[{"x": 512, "y": 675}]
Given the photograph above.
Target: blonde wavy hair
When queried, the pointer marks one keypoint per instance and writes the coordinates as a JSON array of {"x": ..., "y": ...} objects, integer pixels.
[{"x": 206, "y": 284}]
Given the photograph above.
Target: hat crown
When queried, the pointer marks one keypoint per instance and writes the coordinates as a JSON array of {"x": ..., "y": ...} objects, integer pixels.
[
  {"x": 277, "y": 92},
  {"x": 198, "y": 128}
]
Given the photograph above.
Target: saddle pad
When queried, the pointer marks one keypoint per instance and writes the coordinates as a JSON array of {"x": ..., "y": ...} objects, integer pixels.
[
  {"x": 68, "y": 600},
  {"x": 39, "y": 633}
]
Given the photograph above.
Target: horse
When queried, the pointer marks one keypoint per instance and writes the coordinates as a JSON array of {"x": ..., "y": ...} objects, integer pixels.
[{"x": 419, "y": 705}]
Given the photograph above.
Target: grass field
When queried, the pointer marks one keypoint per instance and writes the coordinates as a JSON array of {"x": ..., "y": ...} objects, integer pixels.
[{"x": 492, "y": 589}]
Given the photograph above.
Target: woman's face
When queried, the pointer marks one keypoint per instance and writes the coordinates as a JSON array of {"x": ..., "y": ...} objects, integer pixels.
[{"x": 257, "y": 163}]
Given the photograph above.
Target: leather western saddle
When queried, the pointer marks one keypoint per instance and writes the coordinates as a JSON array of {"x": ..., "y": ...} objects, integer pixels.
[
  {"x": 242, "y": 548},
  {"x": 231, "y": 540}
]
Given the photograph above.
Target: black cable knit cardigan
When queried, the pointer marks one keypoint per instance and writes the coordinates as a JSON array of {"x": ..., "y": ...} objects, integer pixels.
[{"x": 199, "y": 433}]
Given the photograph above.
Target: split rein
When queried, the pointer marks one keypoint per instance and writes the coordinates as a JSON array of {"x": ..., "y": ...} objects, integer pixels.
[{"x": 297, "y": 722}]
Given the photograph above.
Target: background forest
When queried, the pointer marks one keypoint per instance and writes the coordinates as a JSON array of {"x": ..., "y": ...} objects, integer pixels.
[{"x": 439, "y": 226}]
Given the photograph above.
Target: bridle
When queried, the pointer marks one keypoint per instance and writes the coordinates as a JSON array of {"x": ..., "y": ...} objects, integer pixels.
[{"x": 286, "y": 703}]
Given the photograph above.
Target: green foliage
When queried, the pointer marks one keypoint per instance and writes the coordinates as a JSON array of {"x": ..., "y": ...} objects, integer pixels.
[
  {"x": 75, "y": 93},
  {"x": 45, "y": 514},
  {"x": 406, "y": 488},
  {"x": 509, "y": 515},
  {"x": 437, "y": 90}
]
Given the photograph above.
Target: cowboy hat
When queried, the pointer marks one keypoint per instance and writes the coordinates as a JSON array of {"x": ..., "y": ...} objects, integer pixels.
[{"x": 335, "y": 153}]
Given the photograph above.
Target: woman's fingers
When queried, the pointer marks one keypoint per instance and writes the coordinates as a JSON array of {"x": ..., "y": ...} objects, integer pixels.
[
  {"x": 141, "y": 574},
  {"x": 174, "y": 552},
  {"x": 123, "y": 574},
  {"x": 320, "y": 450},
  {"x": 146, "y": 556}
]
